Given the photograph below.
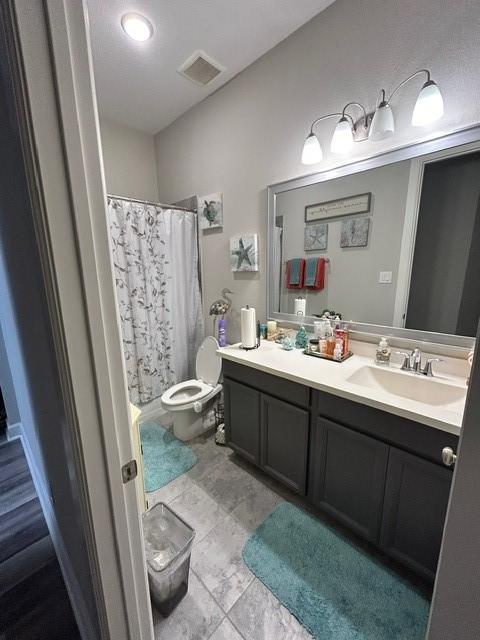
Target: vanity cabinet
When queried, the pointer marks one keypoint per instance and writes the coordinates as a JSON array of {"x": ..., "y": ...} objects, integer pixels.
[
  {"x": 348, "y": 476},
  {"x": 416, "y": 499},
  {"x": 377, "y": 473}
]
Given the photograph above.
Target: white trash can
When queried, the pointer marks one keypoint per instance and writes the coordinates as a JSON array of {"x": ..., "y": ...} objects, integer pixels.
[{"x": 168, "y": 545}]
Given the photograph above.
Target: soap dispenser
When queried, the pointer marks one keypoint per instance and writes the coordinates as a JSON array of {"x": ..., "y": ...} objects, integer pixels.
[{"x": 382, "y": 355}]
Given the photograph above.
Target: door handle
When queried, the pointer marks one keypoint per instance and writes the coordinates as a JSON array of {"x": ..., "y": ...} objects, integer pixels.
[{"x": 448, "y": 457}]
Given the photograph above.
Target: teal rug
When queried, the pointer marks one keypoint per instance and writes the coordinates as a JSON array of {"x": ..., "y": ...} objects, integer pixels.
[
  {"x": 164, "y": 456},
  {"x": 334, "y": 589}
]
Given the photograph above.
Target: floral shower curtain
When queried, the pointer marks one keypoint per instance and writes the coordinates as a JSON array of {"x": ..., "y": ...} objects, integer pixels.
[{"x": 155, "y": 257}]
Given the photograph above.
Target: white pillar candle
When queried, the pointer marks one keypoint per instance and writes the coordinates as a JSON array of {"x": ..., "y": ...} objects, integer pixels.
[
  {"x": 300, "y": 306},
  {"x": 271, "y": 328}
]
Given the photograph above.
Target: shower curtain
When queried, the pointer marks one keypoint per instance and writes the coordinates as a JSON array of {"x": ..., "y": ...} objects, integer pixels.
[{"x": 155, "y": 257}]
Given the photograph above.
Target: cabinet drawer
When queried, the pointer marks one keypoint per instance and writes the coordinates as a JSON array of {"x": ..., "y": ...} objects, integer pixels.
[{"x": 273, "y": 385}]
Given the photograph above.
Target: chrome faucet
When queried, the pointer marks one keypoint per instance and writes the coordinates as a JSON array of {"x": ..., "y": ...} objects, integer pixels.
[{"x": 413, "y": 362}]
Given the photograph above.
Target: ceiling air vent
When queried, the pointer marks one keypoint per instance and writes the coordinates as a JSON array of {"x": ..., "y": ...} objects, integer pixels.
[{"x": 200, "y": 68}]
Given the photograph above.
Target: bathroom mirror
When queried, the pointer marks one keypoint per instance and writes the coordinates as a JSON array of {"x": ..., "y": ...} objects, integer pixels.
[{"x": 393, "y": 241}]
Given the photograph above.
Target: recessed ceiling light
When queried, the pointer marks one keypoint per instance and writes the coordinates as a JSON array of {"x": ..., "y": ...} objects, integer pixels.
[{"x": 137, "y": 27}]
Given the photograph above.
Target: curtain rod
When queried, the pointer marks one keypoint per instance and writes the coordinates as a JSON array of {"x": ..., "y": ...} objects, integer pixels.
[{"x": 154, "y": 204}]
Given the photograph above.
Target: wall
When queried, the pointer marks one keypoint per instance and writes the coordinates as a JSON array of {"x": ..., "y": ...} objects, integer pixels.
[
  {"x": 129, "y": 162},
  {"x": 352, "y": 286},
  {"x": 250, "y": 133}
]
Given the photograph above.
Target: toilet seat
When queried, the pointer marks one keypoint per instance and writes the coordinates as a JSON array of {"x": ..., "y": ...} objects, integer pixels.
[
  {"x": 186, "y": 392},
  {"x": 185, "y": 395}
]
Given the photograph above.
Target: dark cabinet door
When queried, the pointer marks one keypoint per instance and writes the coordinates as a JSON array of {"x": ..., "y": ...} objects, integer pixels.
[
  {"x": 416, "y": 497},
  {"x": 242, "y": 419},
  {"x": 284, "y": 442},
  {"x": 348, "y": 476}
]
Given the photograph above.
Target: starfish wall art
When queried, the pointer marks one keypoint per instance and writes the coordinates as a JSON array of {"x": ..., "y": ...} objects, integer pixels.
[{"x": 244, "y": 252}]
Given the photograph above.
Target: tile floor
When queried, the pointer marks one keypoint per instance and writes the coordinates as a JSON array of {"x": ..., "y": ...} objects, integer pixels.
[{"x": 224, "y": 499}]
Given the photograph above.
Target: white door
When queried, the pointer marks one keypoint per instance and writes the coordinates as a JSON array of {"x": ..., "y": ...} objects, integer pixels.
[
  {"x": 59, "y": 102},
  {"x": 455, "y": 611}
]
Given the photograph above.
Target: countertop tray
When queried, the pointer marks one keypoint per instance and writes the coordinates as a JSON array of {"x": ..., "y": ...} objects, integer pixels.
[{"x": 322, "y": 356}]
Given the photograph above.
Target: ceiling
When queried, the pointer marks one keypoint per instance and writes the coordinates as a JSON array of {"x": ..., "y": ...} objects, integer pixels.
[{"x": 137, "y": 82}]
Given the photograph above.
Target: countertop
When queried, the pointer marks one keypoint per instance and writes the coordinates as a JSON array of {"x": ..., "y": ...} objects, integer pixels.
[{"x": 332, "y": 377}]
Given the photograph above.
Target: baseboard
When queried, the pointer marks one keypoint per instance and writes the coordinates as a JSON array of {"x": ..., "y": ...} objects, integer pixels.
[{"x": 14, "y": 431}]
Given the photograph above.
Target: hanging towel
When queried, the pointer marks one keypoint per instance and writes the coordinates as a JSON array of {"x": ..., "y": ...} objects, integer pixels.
[
  {"x": 315, "y": 273},
  {"x": 294, "y": 273}
]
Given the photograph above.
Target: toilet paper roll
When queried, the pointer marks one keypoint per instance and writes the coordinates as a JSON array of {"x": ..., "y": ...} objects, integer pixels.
[
  {"x": 300, "y": 306},
  {"x": 248, "y": 328}
]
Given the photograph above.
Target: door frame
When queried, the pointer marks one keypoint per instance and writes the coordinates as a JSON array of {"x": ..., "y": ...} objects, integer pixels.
[
  {"x": 455, "y": 612},
  {"x": 412, "y": 210},
  {"x": 61, "y": 139}
]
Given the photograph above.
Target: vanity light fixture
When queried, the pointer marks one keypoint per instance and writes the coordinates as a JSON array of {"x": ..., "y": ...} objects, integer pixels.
[
  {"x": 428, "y": 108},
  {"x": 344, "y": 135},
  {"x": 137, "y": 27}
]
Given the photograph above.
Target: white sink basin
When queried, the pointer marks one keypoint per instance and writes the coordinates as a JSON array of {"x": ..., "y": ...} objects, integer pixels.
[{"x": 408, "y": 385}]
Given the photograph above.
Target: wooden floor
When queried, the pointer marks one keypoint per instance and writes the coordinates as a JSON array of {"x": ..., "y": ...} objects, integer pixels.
[{"x": 38, "y": 607}]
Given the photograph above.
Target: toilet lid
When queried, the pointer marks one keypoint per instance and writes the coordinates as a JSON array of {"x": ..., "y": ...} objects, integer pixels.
[{"x": 208, "y": 364}]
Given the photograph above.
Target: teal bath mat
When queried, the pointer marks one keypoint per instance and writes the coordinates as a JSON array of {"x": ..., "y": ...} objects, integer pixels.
[
  {"x": 164, "y": 456},
  {"x": 334, "y": 589}
]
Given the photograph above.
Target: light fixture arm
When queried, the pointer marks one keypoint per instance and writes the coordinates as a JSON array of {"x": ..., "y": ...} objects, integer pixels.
[
  {"x": 331, "y": 115},
  {"x": 355, "y": 104},
  {"x": 414, "y": 75}
]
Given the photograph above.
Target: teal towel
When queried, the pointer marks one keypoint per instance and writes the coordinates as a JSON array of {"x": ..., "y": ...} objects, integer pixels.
[
  {"x": 336, "y": 590},
  {"x": 295, "y": 270},
  {"x": 311, "y": 272}
]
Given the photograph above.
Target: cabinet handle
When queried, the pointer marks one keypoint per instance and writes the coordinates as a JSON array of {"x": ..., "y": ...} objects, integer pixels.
[{"x": 449, "y": 458}]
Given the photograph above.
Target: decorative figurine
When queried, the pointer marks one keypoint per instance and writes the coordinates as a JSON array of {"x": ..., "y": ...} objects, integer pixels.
[{"x": 302, "y": 339}]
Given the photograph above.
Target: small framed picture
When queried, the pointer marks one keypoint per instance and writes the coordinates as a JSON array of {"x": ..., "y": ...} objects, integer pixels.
[
  {"x": 244, "y": 252},
  {"x": 354, "y": 232},
  {"x": 210, "y": 211},
  {"x": 316, "y": 237}
]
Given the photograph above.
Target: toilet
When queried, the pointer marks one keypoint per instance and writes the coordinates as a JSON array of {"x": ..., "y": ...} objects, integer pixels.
[{"x": 189, "y": 400}]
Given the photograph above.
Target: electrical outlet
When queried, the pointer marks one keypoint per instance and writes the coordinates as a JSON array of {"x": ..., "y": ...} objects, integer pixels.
[{"x": 385, "y": 277}]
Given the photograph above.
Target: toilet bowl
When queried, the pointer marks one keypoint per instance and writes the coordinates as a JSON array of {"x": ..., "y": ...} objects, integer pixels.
[{"x": 189, "y": 400}]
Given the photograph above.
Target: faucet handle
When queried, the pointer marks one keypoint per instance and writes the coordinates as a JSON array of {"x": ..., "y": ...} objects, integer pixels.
[
  {"x": 427, "y": 370},
  {"x": 406, "y": 366}
]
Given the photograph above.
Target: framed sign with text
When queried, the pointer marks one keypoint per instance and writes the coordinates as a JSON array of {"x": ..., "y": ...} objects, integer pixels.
[{"x": 339, "y": 207}]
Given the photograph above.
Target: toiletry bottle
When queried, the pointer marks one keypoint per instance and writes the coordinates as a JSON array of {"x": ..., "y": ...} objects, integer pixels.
[
  {"x": 330, "y": 338},
  {"x": 382, "y": 355},
  {"x": 222, "y": 332},
  {"x": 337, "y": 352},
  {"x": 322, "y": 340},
  {"x": 346, "y": 338},
  {"x": 339, "y": 334}
]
